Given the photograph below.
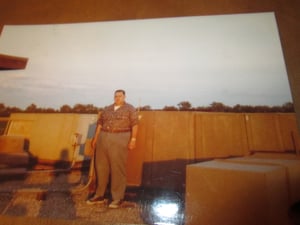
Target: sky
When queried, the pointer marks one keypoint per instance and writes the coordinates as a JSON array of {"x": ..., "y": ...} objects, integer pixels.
[{"x": 233, "y": 59}]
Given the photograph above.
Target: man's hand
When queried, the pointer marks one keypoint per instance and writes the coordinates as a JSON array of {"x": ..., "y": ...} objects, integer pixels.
[{"x": 132, "y": 144}]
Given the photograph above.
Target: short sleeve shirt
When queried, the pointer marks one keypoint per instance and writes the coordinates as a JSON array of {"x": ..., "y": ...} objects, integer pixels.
[{"x": 124, "y": 118}]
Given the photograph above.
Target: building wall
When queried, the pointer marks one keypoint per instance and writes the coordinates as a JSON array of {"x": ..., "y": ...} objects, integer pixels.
[{"x": 72, "y": 11}]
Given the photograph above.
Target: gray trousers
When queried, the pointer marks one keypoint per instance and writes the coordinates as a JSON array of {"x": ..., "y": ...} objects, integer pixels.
[{"x": 110, "y": 159}]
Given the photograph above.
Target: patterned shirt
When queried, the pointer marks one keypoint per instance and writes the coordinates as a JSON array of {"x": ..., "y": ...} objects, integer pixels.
[{"x": 120, "y": 120}]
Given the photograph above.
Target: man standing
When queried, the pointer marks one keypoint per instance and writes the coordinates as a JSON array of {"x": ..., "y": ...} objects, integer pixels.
[{"x": 116, "y": 132}]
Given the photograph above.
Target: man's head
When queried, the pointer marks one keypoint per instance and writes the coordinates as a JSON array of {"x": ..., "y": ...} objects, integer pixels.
[{"x": 119, "y": 97}]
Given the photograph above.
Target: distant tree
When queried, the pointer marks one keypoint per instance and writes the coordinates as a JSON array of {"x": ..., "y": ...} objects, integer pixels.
[
  {"x": 49, "y": 110},
  {"x": 78, "y": 108},
  {"x": 2, "y": 108},
  {"x": 4, "y": 112},
  {"x": 81, "y": 108},
  {"x": 288, "y": 107},
  {"x": 237, "y": 108},
  {"x": 65, "y": 109},
  {"x": 184, "y": 106},
  {"x": 276, "y": 108},
  {"x": 90, "y": 108},
  {"x": 13, "y": 109},
  {"x": 262, "y": 108},
  {"x": 31, "y": 108},
  {"x": 170, "y": 108},
  {"x": 218, "y": 107},
  {"x": 202, "y": 109},
  {"x": 145, "y": 108},
  {"x": 248, "y": 108}
]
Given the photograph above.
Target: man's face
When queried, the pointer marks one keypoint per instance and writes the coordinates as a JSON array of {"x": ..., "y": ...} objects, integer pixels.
[{"x": 119, "y": 98}]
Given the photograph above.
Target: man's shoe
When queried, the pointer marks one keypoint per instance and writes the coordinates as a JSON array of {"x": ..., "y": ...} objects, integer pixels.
[
  {"x": 95, "y": 200},
  {"x": 115, "y": 204}
]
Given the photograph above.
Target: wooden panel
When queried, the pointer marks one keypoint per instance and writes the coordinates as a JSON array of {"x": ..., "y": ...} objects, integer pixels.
[
  {"x": 169, "y": 147},
  {"x": 145, "y": 135},
  {"x": 50, "y": 136},
  {"x": 21, "y": 127},
  {"x": 143, "y": 151},
  {"x": 289, "y": 132},
  {"x": 173, "y": 136},
  {"x": 220, "y": 135},
  {"x": 12, "y": 152},
  {"x": 12, "y": 144},
  {"x": 264, "y": 132}
]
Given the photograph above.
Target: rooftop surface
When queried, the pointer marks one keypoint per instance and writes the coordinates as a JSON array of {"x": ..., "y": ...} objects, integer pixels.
[{"x": 45, "y": 197}]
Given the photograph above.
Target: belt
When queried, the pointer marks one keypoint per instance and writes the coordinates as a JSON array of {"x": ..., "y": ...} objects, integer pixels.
[{"x": 115, "y": 130}]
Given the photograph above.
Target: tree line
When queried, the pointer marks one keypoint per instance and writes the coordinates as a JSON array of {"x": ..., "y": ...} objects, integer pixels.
[
  {"x": 182, "y": 106},
  {"x": 238, "y": 108}
]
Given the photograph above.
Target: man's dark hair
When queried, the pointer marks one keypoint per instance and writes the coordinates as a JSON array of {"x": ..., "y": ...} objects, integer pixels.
[{"x": 120, "y": 90}]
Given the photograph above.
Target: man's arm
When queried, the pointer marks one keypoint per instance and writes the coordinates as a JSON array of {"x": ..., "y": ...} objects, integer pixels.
[
  {"x": 94, "y": 140},
  {"x": 132, "y": 142}
]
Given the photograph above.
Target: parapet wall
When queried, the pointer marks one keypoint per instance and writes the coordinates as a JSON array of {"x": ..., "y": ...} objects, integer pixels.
[{"x": 163, "y": 136}]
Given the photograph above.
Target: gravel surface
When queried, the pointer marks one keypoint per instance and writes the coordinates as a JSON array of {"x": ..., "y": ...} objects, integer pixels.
[{"x": 47, "y": 195}]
